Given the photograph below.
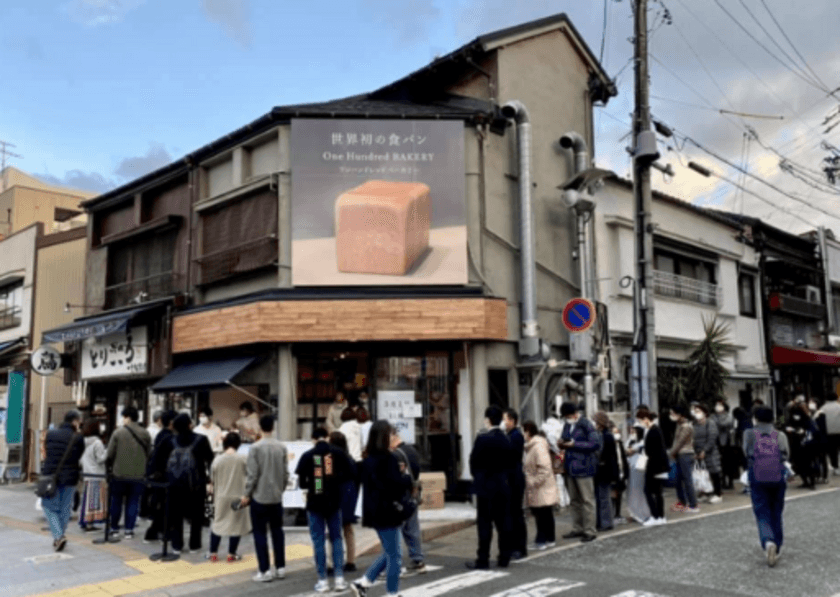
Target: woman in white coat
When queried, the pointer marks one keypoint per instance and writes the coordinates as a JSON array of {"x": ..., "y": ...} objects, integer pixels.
[
  {"x": 228, "y": 475},
  {"x": 95, "y": 492}
]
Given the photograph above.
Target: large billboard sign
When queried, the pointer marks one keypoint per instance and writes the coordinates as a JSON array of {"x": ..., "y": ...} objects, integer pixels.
[{"x": 378, "y": 202}]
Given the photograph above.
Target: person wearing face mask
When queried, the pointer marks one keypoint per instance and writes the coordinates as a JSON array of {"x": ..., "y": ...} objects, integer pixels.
[
  {"x": 706, "y": 448},
  {"x": 64, "y": 449},
  {"x": 726, "y": 443},
  {"x": 208, "y": 428},
  {"x": 582, "y": 443},
  {"x": 682, "y": 451},
  {"x": 656, "y": 467},
  {"x": 248, "y": 423}
]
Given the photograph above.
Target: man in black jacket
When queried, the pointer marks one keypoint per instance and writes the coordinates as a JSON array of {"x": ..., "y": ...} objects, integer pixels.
[
  {"x": 518, "y": 529},
  {"x": 491, "y": 466},
  {"x": 156, "y": 472},
  {"x": 65, "y": 439},
  {"x": 409, "y": 461},
  {"x": 321, "y": 471}
]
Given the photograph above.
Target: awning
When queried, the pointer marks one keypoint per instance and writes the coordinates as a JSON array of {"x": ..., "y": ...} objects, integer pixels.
[
  {"x": 89, "y": 327},
  {"x": 202, "y": 375},
  {"x": 787, "y": 355},
  {"x": 10, "y": 345}
]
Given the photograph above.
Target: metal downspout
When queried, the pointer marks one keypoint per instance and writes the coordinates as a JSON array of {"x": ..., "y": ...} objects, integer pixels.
[{"x": 530, "y": 345}]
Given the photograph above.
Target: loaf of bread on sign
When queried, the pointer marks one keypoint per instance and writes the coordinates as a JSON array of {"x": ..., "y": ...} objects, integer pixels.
[{"x": 382, "y": 227}]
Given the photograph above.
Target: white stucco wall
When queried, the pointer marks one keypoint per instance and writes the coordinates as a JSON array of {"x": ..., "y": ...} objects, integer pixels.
[{"x": 18, "y": 258}]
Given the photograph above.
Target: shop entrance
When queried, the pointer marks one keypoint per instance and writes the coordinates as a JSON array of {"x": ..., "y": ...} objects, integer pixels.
[{"x": 414, "y": 390}]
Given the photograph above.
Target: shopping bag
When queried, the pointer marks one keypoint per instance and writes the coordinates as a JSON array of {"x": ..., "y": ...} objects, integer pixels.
[
  {"x": 562, "y": 492},
  {"x": 744, "y": 479},
  {"x": 701, "y": 478},
  {"x": 641, "y": 462}
]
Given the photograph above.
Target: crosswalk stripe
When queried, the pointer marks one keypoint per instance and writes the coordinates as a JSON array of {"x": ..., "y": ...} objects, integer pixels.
[
  {"x": 453, "y": 583},
  {"x": 541, "y": 588},
  {"x": 633, "y": 593}
]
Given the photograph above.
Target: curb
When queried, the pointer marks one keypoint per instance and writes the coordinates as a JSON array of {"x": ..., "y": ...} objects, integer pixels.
[{"x": 430, "y": 533}]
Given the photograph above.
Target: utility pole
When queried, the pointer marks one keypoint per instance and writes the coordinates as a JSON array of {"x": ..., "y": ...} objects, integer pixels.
[
  {"x": 3, "y": 154},
  {"x": 644, "y": 348}
]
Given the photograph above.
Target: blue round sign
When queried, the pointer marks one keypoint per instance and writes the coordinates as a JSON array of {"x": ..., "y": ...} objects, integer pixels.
[{"x": 579, "y": 315}]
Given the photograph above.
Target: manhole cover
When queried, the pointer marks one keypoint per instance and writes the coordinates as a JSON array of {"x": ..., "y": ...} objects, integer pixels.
[{"x": 50, "y": 557}]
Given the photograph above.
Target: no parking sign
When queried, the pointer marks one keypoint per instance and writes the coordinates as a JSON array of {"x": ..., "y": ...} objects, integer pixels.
[{"x": 579, "y": 315}]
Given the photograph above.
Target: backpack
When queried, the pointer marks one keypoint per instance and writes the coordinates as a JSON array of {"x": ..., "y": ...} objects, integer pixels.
[
  {"x": 767, "y": 458},
  {"x": 416, "y": 487},
  {"x": 182, "y": 468}
]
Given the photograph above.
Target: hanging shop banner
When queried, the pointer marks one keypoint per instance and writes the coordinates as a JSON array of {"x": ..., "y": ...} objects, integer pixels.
[
  {"x": 15, "y": 412},
  {"x": 115, "y": 355},
  {"x": 378, "y": 202},
  {"x": 400, "y": 410}
]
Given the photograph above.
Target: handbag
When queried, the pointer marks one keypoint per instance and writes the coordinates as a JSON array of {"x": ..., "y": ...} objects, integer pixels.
[
  {"x": 641, "y": 462},
  {"x": 47, "y": 486},
  {"x": 405, "y": 507}
]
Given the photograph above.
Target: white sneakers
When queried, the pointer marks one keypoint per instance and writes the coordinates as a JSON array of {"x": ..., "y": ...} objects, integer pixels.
[
  {"x": 322, "y": 586},
  {"x": 340, "y": 584},
  {"x": 278, "y": 573},
  {"x": 715, "y": 499},
  {"x": 654, "y": 522},
  {"x": 772, "y": 553},
  {"x": 269, "y": 575}
]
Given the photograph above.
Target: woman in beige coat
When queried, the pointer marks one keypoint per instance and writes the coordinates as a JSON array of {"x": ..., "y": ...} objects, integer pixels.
[
  {"x": 540, "y": 485},
  {"x": 228, "y": 474}
]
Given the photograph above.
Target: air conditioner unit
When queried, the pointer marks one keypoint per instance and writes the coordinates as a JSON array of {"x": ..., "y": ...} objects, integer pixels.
[{"x": 809, "y": 293}]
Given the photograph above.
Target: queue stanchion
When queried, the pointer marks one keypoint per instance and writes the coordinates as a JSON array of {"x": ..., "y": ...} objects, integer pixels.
[
  {"x": 164, "y": 555},
  {"x": 108, "y": 537}
]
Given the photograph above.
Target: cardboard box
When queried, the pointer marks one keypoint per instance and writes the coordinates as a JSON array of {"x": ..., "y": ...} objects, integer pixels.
[
  {"x": 432, "y": 482},
  {"x": 432, "y": 500}
]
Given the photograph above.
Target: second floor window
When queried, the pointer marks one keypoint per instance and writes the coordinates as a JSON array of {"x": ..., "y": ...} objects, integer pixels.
[
  {"x": 11, "y": 303},
  {"x": 746, "y": 294},
  {"x": 679, "y": 276},
  {"x": 144, "y": 266}
]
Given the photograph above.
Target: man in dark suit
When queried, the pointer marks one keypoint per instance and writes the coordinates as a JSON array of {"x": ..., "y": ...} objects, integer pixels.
[
  {"x": 491, "y": 465},
  {"x": 518, "y": 530}
]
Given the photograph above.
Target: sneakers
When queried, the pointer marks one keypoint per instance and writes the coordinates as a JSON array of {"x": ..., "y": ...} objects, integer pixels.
[
  {"x": 233, "y": 558},
  {"x": 59, "y": 543},
  {"x": 416, "y": 568},
  {"x": 359, "y": 589},
  {"x": 715, "y": 499},
  {"x": 693, "y": 510},
  {"x": 619, "y": 520},
  {"x": 322, "y": 586},
  {"x": 772, "y": 553},
  {"x": 266, "y": 576},
  {"x": 211, "y": 557},
  {"x": 678, "y": 507},
  {"x": 661, "y": 521},
  {"x": 278, "y": 573},
  {"x": 350, "y": 567},
  {"x": 651, "y": 522},
  {"x": 550, "y": 544},
  {"x": 537, "y": 547},
  {"x": 340, "y": 584},
  {"x": 128, "y": 535}
]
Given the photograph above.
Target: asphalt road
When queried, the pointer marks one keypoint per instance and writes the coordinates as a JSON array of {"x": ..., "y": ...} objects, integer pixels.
[{"x": 709, "y": 555}]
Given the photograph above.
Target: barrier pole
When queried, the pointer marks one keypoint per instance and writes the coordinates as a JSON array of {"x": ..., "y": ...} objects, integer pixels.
[
  {"x": 164, "y": 555},
  {"x": 108, "y": 537}
]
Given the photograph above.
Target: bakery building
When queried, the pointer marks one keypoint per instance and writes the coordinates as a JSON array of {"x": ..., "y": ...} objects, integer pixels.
[{"x": 428, "y": 283}]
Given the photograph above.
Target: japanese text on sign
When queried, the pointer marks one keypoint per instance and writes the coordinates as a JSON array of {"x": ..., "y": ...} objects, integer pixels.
[{"x": 123, "y": 353}]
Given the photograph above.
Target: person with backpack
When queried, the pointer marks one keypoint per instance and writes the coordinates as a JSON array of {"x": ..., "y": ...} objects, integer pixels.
[
  {"x": 321, "y": 472},
  {"x": 128, "y": 452},
  {"x": 409, "y": 461},
  {"x": 186, "y": 472},
  {"x": 767, "y": 450},
  {"x": 268, "y": 474}
]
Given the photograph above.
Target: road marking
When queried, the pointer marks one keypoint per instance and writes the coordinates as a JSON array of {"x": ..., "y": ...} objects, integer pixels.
[
  {"x": 638, "y": 594},
  {"x": 50, "y": 557},
  {"x": 541, "y": 588},
  {"x": 453, "y": 583}
]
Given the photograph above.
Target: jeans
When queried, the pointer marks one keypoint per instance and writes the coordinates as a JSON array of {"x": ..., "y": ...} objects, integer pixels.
[
  {"x": 215, "y": 540},
  {"x": 413, "y": 538},
  {"x": 603, "y": 503},
  {"x": 768, "y": 501},
  {"x": 318, "y": 524},
  {"x": 684, "y": 483},
  {"x": 130, "y": 492},
  {"x": 57, "y": 509},
  {"x": 390, "y": 560},
  {"x": 493, "y": 511},
  {"x": 266, "y": 517},
  {"x": 544, "y": 518}
]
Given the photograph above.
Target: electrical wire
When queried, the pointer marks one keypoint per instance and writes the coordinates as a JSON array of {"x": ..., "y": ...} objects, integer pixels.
[
  {"x": 604, "y": 31},
  {"x": 673, "y": 101}
]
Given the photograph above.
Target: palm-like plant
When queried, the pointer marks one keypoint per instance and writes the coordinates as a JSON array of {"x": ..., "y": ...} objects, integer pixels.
[{"x": 706, "y": 375}]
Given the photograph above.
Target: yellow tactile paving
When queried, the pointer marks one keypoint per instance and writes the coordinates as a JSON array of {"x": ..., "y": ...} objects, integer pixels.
[{"x": 158, "y": 575}]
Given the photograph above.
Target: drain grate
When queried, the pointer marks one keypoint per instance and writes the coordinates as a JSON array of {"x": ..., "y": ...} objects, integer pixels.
[{"x": 50, "y": 557}]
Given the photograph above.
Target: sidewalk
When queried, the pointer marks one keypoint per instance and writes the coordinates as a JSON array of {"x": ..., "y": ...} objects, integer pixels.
[{"x": 30, "y": 567}]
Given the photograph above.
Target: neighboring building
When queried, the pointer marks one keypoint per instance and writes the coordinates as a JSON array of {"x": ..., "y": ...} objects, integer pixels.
[
  {"x": 25, "y": 200},
  {"x": 793, "y": 291},
  {"x": 702, "y": 270},
  {"x": 271, "y": 233}
]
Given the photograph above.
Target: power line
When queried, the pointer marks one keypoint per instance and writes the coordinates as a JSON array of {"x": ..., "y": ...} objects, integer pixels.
[
  {"x": 604, "y": 31},
  {"x": 792, "y": 45},
  {"x": 698, "y": 106}
]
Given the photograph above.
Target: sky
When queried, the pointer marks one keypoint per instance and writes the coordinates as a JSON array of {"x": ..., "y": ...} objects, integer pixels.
[{"x": 99, "y": 92}]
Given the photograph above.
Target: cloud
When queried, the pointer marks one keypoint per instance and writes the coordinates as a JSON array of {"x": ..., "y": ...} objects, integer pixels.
[
  {"x": 80, "y": 180},
  {"x": 233, "y": 16},
  {"x": 408, "y": 21},
  {"x": 95, "y": 13},
  {"x": 127, "y": 169},
  {"x": 134, "y": 167}
]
